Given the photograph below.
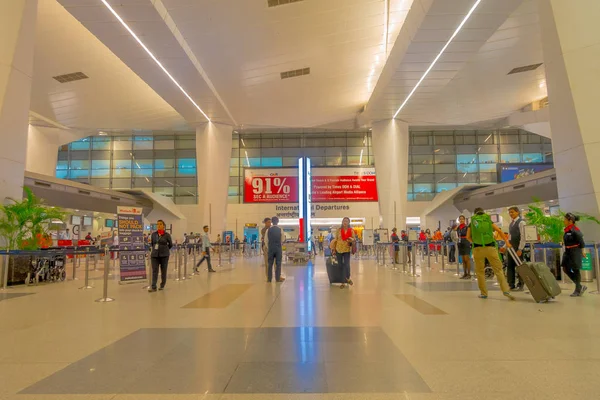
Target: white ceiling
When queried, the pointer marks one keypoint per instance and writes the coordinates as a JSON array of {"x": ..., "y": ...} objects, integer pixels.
[
  {"x": 228, "y": 55},
  {"x": 113, "y": 96},
  {"x": 470, "y": 81}
]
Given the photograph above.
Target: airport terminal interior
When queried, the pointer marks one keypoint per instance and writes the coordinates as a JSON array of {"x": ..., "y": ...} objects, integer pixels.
[{"x": 159, "y": 157}]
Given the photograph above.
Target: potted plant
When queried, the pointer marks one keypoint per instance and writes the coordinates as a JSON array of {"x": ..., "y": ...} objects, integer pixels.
[
  {"x": 551, "y": 229},
  {"x": 24, "y": 225}
]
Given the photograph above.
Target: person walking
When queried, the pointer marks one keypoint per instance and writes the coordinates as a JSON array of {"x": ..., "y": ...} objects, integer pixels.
[
  {"x": 205, "y": 247},
  {"x": 573, "y": 256},
  {"x": 274, "y": 240},
  {"x": 404, "y": 238},
  {"x": 464, "y": 246},
  {"x": 161, "y": 244},
  {"x": 516, "y": 238},
  {"x": 481, "y": 234},
  {"x": 396, "y": 242},
  {"x": 341, "y": 246},
  {"x": 263, "y": 232}
]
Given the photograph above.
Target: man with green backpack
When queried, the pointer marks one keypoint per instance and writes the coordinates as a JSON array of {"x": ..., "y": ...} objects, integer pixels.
[{"x": 481, "y": 234}]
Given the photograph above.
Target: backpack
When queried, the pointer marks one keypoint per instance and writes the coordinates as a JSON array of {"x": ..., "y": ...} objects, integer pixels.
[{"x": 482, "y": 231}]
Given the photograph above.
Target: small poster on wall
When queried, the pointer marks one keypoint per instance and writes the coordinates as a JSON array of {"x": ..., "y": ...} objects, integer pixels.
[
  {"x": 368, "y": 237},
  {"x": 132, "y": 254}
]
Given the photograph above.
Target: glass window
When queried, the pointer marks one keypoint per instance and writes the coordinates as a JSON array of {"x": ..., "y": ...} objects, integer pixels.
[
  {"x": 445, "y": 159},
  {"x": 121, "y": 164},
  {"x": 164, "y": 144},
  {"x": 79, "y": 173},
  {"x": 186, "y": 191},
  {"x": 421, "y": 159},
  {"x": 62, "y": 165},
  {"x": 334, "y": 161},
  {"x": 100, "y": 155},
  {"x": 422, "y": 150},
  {"x": 142, "y": 172},
  {"x": 446, "y": 178},
  {"x": 233, "y": 200},
  {"x": 318, "y": 161},
  {"x": 423, "y": 178},
  {"x": 533, "y": 158},
  {"x": 485, "y": 137},
  {"x": 234, "y": 171},
  {"x": 143, "y": 163},
  {"x": 445, "y": 168},
  {"x": 488, "y": 177},
  {"x": 185, "y": 143},
  {"x": 356, "y": 141},
  {"x": 443, "y": 139},
  {"x": 164, "y": 164},
  {"x": 121, "y": 173},
  {"x": 142, "y": 182},
  {"x": 467, "y": 168},
  {"x": 101, "y": 143},
  {"x": 290, "y": 161},
  {"x": 164, "y": 173},
  {"x": 465, "y": 137},
  {"x": 488, "y": 158},
  {"x": 468, "y": 178},
  {"x": 143, "y": 142},
  {"x": 466, "y": 149},
  {"x": 510, "y": 158},
  {"x": 101, "y": 183},
  {"x": 291, "y": 141},
  {"x": 122, "y": 144},
  {"x": 62, "y": 173},
  {"x": 466, "y": 159},
  {"x": 100, "y": 164},
  {"x": 186, "y": 166},
  {"x": 423, "y": 169},
  {"x": 80, "y": 164},
  {"x": 424, "y": 196},
  {"x": 83, "y": 144},
  {"x": 101, "y": 173},
  {"x": 487, "y": 149},
  {"x": 272, "y": 162},
  {"x": 488, "y": 167},
  {"x": 423, "y": 188},
  {"x": 164, "y": 191},
  {"x": 509, "y": 138},
  {"x": 233, "y": 190},
  {"x": 443, "y": 187},
  {"x": 421, "y": 138}
]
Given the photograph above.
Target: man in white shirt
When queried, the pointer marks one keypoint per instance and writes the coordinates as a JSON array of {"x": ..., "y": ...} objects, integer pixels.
[
  {"x": 516, "y": 237},
  {"x": 205, "y": 246}
]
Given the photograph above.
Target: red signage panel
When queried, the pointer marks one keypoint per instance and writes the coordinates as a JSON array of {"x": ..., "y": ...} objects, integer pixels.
[
  {"x": 344, "y": 188},
  {"x": 269, "y": 187}
]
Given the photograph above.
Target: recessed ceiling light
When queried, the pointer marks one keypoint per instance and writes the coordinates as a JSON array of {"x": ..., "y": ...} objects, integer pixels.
[
  {"x": 137, "y": 39},
  {"x": 464, "y": 21},
  {"x": 102, "y": 133}
]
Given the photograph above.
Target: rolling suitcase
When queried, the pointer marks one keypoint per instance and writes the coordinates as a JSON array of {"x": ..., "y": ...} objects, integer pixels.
[
  {"x": 334, "y": 272},
  {"x": 538, "y": 277}
]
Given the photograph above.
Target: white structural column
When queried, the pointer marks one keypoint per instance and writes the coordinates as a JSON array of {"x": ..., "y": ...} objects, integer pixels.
[
  {"x": 17, "y": 36},
  {"x": 390, "y": 146},
  {"x": 213, "y": 153},
  {"x": 571, "y": 41}
]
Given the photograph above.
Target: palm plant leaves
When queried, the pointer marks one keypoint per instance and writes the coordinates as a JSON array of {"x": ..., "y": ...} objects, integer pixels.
[
  {"x": 23, "y": 221},
  {"x": 551, "y": 227}
]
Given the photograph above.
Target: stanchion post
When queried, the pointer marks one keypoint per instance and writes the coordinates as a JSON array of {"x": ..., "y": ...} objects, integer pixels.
[
  {"x": 597, "y": 269},
  {"x": 220, "y": 251},
  {"x": 444, "y": 251},
  {"x": 428, "y": 255},
  {"x": 194, "y": 259},
  {"x": 185, "y": 262},
  {"x": 414, "y": 263},
  {"x": 105, "y": 298},
  {"x": 5, "y": 265},
  {"x": 230, "y": 251},
  {"x": 177, "y": 264},
  {"x": 147, "y": 261},
  {"x": 86, "y": 284},
  {"x": 74, "y": 277}
]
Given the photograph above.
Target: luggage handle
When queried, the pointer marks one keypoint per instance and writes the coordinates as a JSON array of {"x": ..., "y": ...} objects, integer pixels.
[{"x": 514, "y": 256}]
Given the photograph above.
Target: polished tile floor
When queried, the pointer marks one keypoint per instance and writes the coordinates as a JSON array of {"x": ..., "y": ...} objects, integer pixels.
[{"x": 232, "y": 336}]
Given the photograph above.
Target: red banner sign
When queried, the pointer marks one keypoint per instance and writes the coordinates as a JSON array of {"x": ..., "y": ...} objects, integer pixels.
[
  {"x": 328, "y": 185},
  {"x": 270, "y": 189},
  {"x": 344, "y": 188}
]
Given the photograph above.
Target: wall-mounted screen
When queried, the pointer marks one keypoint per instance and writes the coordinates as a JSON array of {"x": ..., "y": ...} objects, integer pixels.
[
  {"x": 87, "y": 221},
  {"x": 75, "y": 220},
  {"x": 109, "y": 223},
  {"x": 509, "y": 172}
]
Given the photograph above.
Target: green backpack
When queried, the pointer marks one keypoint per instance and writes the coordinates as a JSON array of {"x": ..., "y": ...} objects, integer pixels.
[{"x": 482, "y": 231}]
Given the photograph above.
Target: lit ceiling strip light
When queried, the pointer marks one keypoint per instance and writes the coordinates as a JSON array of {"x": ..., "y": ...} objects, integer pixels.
[
  {"x": 153, "y": 57},
  {"x": 464, "y": 21}
]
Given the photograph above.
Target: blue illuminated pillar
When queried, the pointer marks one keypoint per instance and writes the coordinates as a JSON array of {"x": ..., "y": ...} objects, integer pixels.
[{"x": 304, "y": 200}]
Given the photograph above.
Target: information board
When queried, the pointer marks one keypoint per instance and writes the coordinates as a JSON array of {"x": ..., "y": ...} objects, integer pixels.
[{"x": 132, "y": 255}]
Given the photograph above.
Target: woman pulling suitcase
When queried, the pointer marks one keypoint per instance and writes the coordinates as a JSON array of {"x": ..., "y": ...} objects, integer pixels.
[
  {"x": 341, "y": 247},
  {"x": 573, "y": 256}
]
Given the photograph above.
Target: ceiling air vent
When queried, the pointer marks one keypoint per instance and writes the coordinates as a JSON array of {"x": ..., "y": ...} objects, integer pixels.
[
  {"x": 526, "y": 68},
  {"x": 295, "y": 73},
  {"x": 275, "y": 3},
  {"x": 75, "y": 76}
]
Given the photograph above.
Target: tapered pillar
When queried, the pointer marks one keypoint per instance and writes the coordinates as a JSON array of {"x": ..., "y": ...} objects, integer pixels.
[
  {"x": 213, "y": 153},
  {"x": 17, "y": 38},
  {"x": 390, "y": 145},
  {"x": 571, "y": 42}
]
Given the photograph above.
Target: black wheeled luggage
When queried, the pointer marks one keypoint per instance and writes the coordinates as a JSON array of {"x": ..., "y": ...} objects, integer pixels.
[
  {"x": 334, "y": 272},
  {"x": 538, "y": 277}
]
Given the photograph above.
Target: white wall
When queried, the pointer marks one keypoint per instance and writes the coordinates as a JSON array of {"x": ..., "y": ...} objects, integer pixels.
[{"x": 42, "y": 147}]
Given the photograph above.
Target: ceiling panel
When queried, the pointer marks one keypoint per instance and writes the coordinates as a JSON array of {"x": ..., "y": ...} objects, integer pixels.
[
  {"x": 112, "y": 97},
  {"x": 471, "y": 81}
]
